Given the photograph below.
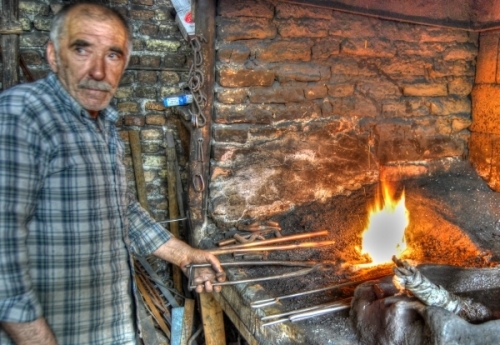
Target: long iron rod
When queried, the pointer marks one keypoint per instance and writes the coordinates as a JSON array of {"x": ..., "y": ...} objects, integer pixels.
[{"x": 226, "y": 250}]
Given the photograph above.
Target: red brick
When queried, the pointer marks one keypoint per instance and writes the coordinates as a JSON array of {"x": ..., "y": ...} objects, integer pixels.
[{"x": 229, "y": 77}]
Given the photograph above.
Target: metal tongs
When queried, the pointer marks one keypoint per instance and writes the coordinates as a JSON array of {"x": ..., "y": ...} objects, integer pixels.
[{"x": 310, "y": 268}]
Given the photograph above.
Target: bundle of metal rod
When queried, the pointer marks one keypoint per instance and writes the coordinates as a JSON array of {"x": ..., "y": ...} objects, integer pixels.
[
  {"x": 270, "y": 301},
  {"x": 309, "y": 312},
  {"x": 227, "y": 250},
  {"x": 310, "y": 268}
]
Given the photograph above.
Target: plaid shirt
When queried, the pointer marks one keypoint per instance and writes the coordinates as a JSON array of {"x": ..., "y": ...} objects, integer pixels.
[{"x": 67, "y": 222}]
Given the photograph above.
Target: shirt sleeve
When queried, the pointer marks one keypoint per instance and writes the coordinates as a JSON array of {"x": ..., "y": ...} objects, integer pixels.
[
  {"x": 145, "y": 234},
  {"x": 20, "y": 179}
]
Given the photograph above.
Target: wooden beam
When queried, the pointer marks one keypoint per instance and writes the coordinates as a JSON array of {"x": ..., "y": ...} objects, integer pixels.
[{"x": 9, "y": 42}]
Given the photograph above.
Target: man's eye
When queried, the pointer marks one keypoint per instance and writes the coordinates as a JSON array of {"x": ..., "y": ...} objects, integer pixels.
[{"x": 80, "y": 50}]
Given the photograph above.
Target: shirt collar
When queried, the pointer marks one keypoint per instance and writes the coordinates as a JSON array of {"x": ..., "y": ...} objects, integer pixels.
[{"x": 108, "y": 113}]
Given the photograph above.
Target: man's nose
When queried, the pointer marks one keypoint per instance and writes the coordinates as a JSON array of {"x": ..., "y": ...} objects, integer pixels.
[{"x": 98, "y": 68}]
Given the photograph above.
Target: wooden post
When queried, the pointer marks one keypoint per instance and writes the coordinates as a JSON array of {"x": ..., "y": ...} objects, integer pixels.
[
  {"x": 10, "y": 30},
  {"x": 212, "y": 319},
  {"x": 173, "y": 207}
]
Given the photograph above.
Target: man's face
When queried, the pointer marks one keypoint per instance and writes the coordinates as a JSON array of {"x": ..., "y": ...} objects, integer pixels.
[{"x": 91, "y": 60}]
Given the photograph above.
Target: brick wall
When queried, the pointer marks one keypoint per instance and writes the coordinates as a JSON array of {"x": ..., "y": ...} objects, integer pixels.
[
  {"x": 158, "y": 67},
  {"x": 312, "y": 103}
]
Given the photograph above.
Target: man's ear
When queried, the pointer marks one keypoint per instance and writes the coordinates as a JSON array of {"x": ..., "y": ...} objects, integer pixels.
[{"x": 52, "y": 56}]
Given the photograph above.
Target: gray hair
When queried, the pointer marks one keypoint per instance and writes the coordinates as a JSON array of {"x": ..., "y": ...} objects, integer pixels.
[{"x": 57, "y": 28}]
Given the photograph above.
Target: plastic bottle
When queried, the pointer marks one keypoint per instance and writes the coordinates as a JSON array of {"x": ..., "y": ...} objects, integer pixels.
[{"x": 173, "y": 101}]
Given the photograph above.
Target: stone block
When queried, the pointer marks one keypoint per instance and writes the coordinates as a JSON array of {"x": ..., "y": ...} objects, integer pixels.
[
  {"x": 287, "y": 10},
  {"x": 25, "y": 23},
  {"x": 425, "y": 90},
  {"x": 36, "y": 39},
  {"x": 157, "y": 106},
  {"x": 241, "y": 28},
  {"x": 231, "y": 96},
  {"x": 33, "y": 8},
  {"x": 459, "y": 123},
  {"x": 276, "y": 94},
  {"x": 149, "y": 29},
  {"x": 150, "y": 61},
  {"x": 151, "y": 147},
  {"x": 378, "y": 89},
  {"x": 449, "y": 106},
  {"x": 133, "y": 120},
  {"x": 231, "y": 77},
  {"x": 155, "y": 161},
  {"x": 315, "y": 92},
  {"x": 168, "y": 77},
  {"x": 163, "y": 15},
  {"x": 340, "y": 90},
  {"x": 251, "y": 113},
  {"x": 167, "y": 29},
  {"x": 325, "y": 48},
  {"x": 141, "y": 14},
  {"x": 429, "y": 50},
  {"x": 174, "y": 60},
  {"x": 460, "y": 86},
  {"x": 128, "y": 107},
  {"x": 231, "y": 134},
  {"x": 145, "y": 92},
  {"x": 55, "y": 8},
  {"x": 303, "y": 28},
  {"x": 302, "y": 72},
  {"x": 127, "y": 78},
  {"x": 137, "y": 45},
  {"x": 167, "y": 91},
  {"x": 280, "y": 51},
  {"x": 405, "y": 66},
  {"x": 151, "y": 134},
  {"x": 162, "y": 45},
  {"x": 156, "y": 120},
  {"x": 246, "y": 8},
  {"x": 457, "y": 68},
  {"x": 467, "y": 51},
  {"x": 147, "y": 77},
  {"x": 368, "y": 47},
  {"x": 486, "y": 109},
  {"x": 123, "y": 92},
  {"x": 42, "y": 23},
  {"x": 233, "y": 53}
]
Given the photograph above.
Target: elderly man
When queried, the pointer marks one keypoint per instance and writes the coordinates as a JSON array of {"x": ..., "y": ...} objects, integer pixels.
[{"x": 67, "y": 224}]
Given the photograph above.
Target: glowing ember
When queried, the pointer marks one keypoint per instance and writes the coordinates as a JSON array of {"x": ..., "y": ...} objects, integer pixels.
[{"x": 385, "y": 234}]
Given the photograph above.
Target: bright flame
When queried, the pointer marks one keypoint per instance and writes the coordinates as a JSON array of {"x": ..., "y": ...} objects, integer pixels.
[{"x": 385, "y": 234}]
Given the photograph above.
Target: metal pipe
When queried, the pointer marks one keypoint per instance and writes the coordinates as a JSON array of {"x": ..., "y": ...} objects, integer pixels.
[
  {"x": 232, "y": 249},
  {"x": 280, "y": 239},
  {"x": 309, "y": 312},
  {"x": 271, "y": 301}
]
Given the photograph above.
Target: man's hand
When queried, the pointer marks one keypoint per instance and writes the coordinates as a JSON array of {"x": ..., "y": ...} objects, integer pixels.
[{"x": 182, "y": 255}]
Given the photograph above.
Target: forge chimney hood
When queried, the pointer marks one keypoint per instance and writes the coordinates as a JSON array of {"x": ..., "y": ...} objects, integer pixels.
[{"x": 471, "y": 15}]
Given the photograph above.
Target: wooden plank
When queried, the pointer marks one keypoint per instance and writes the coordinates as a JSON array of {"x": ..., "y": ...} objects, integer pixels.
[
  {"x": 187, "y": 326},
  {"x": 212, "y": 320}
]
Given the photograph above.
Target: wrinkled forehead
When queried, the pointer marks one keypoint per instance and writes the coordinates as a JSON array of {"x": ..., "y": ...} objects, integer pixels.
[{"x": 90, "y": 15}]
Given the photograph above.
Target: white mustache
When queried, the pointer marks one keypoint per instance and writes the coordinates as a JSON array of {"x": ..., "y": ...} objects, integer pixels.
[{"x": 95, "y": 85}]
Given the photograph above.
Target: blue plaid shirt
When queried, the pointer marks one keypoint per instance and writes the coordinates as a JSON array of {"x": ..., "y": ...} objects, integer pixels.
[{"x": 67, "y": 222}]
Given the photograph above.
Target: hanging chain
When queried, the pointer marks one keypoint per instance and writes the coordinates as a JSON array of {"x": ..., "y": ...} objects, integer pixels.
[{"x": 195, "y": 83}]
